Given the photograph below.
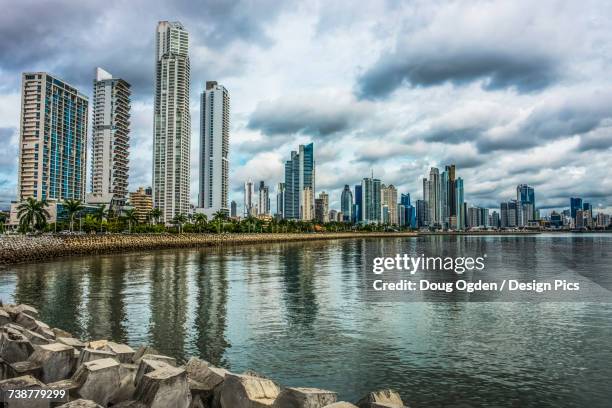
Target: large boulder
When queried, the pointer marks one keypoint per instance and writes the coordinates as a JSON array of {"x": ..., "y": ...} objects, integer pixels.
[
  {"x": 164, "y": 387},
  {"x": 141, "y": 351},
  {"x": 26, "y": 382},
  {"x": 35, "y": 338},
  {"x": 123, "y": 352},
  {"x": 81, "y": 403},
  {"x": 5, "y": 318},
  {"x": 127, "y": 375},
  {"x": 30, "y": 323},
  {"x": 67, "y": 385},
  {"x": 55, "y": 359},
  {"x": 246, "y": 391},
  {"x": 381, "y": 399},
  {"x": 98, "y": 380},
  {"x": 14, "y": 346},
  {"x": 148, "y": 365},
  {"x": 295, "y": 397},
  {"x": 88, "y": 354},
  {"x": 203, "y": 379},
  {"x": 19, "y": 369},
  {"x": 72, "y": 342},
  {"x": 13, "y": 311}
]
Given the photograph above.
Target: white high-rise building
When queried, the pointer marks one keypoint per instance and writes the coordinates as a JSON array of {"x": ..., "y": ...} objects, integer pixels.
[
  {"x": 110, "y": 140},
  {"x": 214, "y": 148},
  {"x": 172, "y": 121},
  {"x": 263, "y": 199},
  {"x": 434, "y": 197},
  {"x": 249, "y": 194}
]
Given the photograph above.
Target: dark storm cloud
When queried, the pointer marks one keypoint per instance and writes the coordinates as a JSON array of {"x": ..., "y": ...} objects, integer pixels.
[
  {"x": 71, "y": 38},
  {"x": 435, "y": 66},
  {"x": 573, "y": 115},
  {"x": 316, "y": 117}
]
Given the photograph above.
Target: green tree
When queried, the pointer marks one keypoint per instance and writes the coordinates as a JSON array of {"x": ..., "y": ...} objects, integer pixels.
[
  {"x": 154, "y": 215},
  {"x": 200, "y": 221},
  {"x": 218, "y": 218},
  {"x": 131, "y": 218},
  {"x": 179, "y": 220},
  {"x": 32, "y": 214},
  {"x": 73, "y": 208}
]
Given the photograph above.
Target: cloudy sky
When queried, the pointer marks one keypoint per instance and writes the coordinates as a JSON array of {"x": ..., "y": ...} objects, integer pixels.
[{"x": 512, "y": 92}]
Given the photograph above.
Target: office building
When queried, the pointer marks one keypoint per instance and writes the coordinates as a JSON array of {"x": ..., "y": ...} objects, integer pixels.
[
  {"x": 575, "y": 204},
  {"x": 322, "y": 208},
  {"x": 263, "y": 199},
  {"x": 460, "y": 206},
  {"x": 525, "y": 195},
  {"x": 233, "y": 209},
  {"x": 433, "y": 200},
  {"x": 452, "y": 204},
  {"x": 172, "y": 121},
  {"x": 110, "y": 140},
  {"x": 371, "y": 201},
  {"x": 214, "y": 148},
  {"x": 358, "y": 206},
  {"x": 280, "y": 200},
  {"x": 299, "y": 176},
  {"x": 389, "y": 199},
  {"x": 346, "y": 203},
  {"x": 249, "y": 197},
  {"x": 422, "y": 214},
  {"x": 52, "y": 139}
]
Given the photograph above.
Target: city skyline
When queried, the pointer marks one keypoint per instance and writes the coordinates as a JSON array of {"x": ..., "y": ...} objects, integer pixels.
[{"x": 467, "y": 116}]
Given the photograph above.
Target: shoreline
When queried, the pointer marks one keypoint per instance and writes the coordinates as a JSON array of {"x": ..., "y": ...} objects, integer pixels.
[{"x": 23, "y": 249}]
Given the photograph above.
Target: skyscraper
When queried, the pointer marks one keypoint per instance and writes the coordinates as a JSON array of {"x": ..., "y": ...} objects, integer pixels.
[
  {"x": 233, "y": 209},
  {"x": 389, "y": 198},
  {"x": 575, "y": 205},
  {"x": 249, "y": 194},
  {"x": 371, "y": 201},
  {"x": 214, "y": 148},
  {"x": 434, "y": 197},
  {"x": 110, "y": 139},
  {"x": 172, "y": 121},
  {"x": 299, "y": 176},
  {"x": 358, "y": 208},
  {"x": 52, "y": 139},
  {"x": 346, "y": 204},
  {"x": 459, "y": 204},
  {"x": 263, "y": 199},
  {"x": 280, "y": 200},
  {"x": 452, "y": 209},
  {"x": 525, "y": 195},
  {"x": 322, "y": 207}
]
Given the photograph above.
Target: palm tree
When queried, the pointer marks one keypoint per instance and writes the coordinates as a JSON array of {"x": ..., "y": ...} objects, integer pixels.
[
  {"x": 179, "y": 219},
  {"x": 218, "y": 218},
  {"x": 130, "y": 217},
  {"x": 154, "y": 214},
  {"x": 100, "y": 213},
  {"x": 73, "y": 207},
  {"x": 32, "y": 213},
  {"x": 200, "y": 221}
]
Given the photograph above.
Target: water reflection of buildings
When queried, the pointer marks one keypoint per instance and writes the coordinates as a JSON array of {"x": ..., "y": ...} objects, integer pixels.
[
  {"x": 298, "y": 269},
  {"x": 211, "y": 307}
]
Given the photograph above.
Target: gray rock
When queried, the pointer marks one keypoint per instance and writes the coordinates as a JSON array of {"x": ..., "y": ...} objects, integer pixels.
[
  {"x": 87, "y": 354},
  {"x": 60, "y": 332},
  {"x": 203, "y": 375},
  {"x": 123, "y": 352},
  {"x": 55, "y": 359},
  {"x": 245, "y": 391},
  {"x": 164, "y": 387},
  {"x": 22, "y": 368},
  {"x": 81, "y": 403},
  {"x": 68, "y": 385},
  {"x": 14, "y": 346},
  {"x": 141, "y": 351},
  {"x": 148, "y": 365},
  {"x": 381, "y": 399},
  {"x": 35, "y": 338},
  {"x": 15, "y": 310},
  {"x": 72, "y": 342},
  {"x": 341, "y": 404},
  {"x": 130, "y": 404},
  {"x": 98, "y": 380},
  {"x": 295, "y": 397},
  {"x": 127, "y": 375},
  {"x": 25, "y": 382},
  {"x": 5, "y": 318}
]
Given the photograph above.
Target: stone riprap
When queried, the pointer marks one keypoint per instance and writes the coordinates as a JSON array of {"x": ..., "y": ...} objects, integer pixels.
[
  {"x": 20, "y": 248},
  {"x": 102, "y": 373}
]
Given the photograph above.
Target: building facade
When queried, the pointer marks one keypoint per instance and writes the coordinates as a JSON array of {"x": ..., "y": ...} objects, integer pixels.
[
  {"x": 300, "y": 176},
  {"x": 52, "y": 139},
  {"x": 371, "y": 201},
  {"x": 389, "y": 199},
  {"x": 346, "y": 204},
  {"x": 249, "y": 196},
  {"x": 214, "y": 148},
  {"x": 110, "y": 140},
  {"x": 263, "y": 199},
  {"x": 280, "y": 200},
  {"x": 142, "y": 204},
  {"x": 172, "y": 121}
]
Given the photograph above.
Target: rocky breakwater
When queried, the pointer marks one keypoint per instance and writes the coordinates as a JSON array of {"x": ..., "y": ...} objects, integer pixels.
[
  {"x": 19, "y": 248},
  {"x": 101, "y": 373}
]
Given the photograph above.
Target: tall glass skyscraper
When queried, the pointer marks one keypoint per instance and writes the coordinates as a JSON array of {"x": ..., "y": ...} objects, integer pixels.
[
  {"x": 299, "y": 182},
  {"x": 214, "y": 148},
  {"x": 172, "y": 121},
  {"x": 459, "y": 203},
  {"x": 372, "y": 201},
  {"x": 52, "y": 139},
  {"x": 525, "y": 195},
  {"x": 110, "y": 140},
  {"x": 358, "y": 208},
  {"x": 575, "y": 205},
  {"x": 346, "y": 204}
]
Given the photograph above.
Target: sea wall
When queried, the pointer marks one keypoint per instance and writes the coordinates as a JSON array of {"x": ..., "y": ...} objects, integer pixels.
[
  {"x": 20, "y": 248},
  {"x": 101, "y": 373}
]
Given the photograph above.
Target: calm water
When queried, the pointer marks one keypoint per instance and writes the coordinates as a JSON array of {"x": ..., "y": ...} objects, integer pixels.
[{"x": 298, "y": 313}]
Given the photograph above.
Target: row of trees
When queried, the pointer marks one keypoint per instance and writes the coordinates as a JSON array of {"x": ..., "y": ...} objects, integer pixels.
[{"x": 33, "y": 217}]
